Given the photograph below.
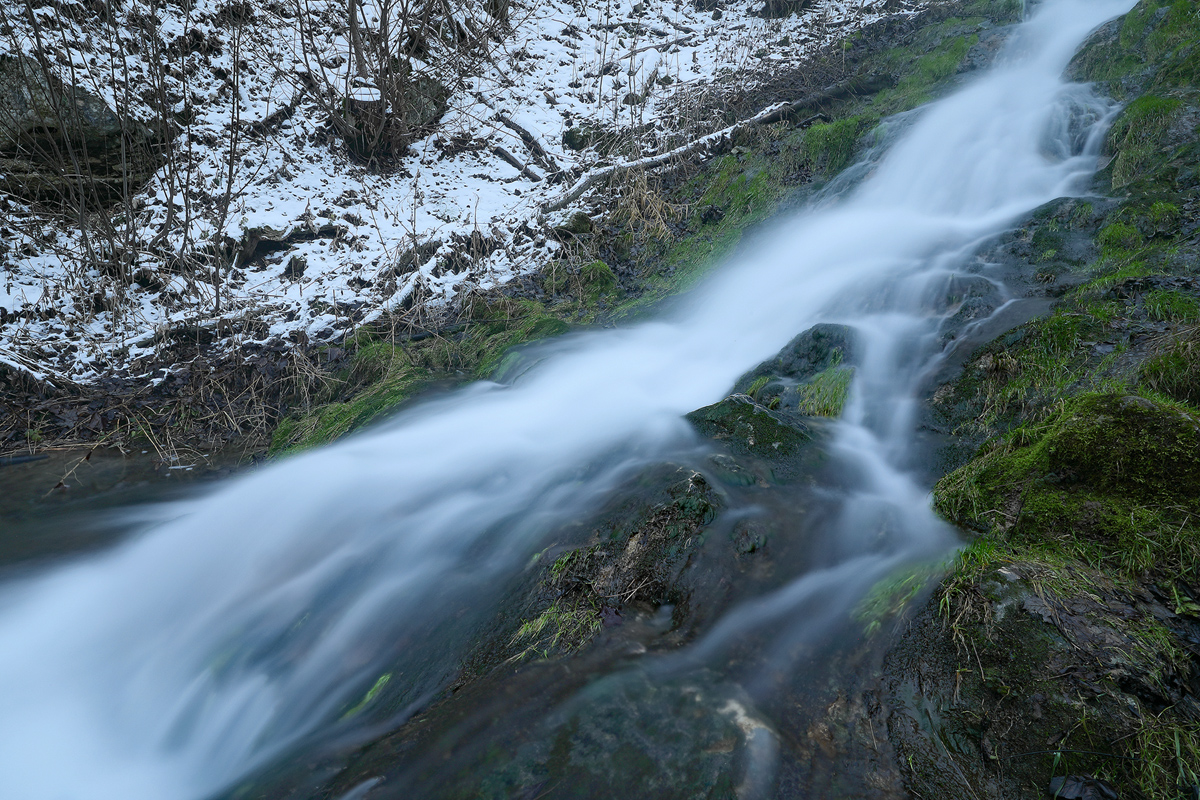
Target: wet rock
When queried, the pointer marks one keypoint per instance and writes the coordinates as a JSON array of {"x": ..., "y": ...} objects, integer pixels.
[
  {"x": 813, "y": 351},
  {"x": 810, "y": 376},
  {"x": 983, "y": 53},
  {"x": 775, "y": 446},
  {"x": 1076, "y": 787},
  {"x": 1009, "y": 666},
  {"x": 748, "y": 427},
  {"x": 626, "y": 735}
]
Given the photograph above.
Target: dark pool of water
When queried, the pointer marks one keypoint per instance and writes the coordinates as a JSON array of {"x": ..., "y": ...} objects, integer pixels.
[{"x": 61, "y": 503}]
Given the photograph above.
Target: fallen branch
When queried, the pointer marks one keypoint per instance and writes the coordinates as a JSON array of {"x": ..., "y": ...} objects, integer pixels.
[
  {"x": 779, "y": 112},
  {"x": 516, "y": 163},
  {"x": 659, "y": 45},
  {"x": 594, "y": 177},
  {"x": 534, "y": 146}
]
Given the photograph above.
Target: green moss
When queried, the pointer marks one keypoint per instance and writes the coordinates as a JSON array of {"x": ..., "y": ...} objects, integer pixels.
[
  {"x": 831, "y": 146},
  {"x": 1107, "y": 277},
  {"x": 1136, "y": 136},
  {"x": 1118, "y": 239},
  {"x": 734, "y": 195},
  {"x": 922, "y": 71},
  {"x": 997, "y": 10},
  {"x": 1109, "y": 479},
  {"x": 1174, "y": 44},
  {"x": 383, "y": 375},
  {"x": 1156, "y": 44},
  {"x": 825, "y": 395},
  {"x": 1164, "y": 215},
  {"x": 749, "y": 427},
  {"x": 387, "y": 376},
  {"x": 597, "y": 279}
]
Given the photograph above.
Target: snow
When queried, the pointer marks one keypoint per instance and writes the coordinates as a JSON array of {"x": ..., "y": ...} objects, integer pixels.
[{"x": 562, "y": 65}]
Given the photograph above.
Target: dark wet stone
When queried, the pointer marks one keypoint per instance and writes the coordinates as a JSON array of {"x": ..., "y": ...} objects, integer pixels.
[
  {"x": 817, "y": 349},
  {"x": 748, "y": 427},
  {"x": 1075, "y": 787}
]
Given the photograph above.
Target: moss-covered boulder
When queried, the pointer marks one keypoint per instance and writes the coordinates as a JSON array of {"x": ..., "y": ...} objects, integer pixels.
[
  {"x": 775, "y": 446},
  {"x": 1110, "y": 477},
  {"x": 1153, "y": 46},
  {"x": 810, "y": 376}
]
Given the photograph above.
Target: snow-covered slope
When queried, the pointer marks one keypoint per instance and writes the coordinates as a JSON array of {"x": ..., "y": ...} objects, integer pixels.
[{"x": 452, "y": 214}]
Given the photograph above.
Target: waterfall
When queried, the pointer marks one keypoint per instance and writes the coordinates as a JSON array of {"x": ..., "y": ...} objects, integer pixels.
[{"x": 232, "y": 625}]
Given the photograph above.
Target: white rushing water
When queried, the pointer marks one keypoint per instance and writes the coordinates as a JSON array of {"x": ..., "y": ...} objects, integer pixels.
[{"x": 239, "y": 622}]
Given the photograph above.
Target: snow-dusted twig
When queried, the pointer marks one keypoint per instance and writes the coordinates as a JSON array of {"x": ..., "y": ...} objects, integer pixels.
[
  {"x": 597, "y": 176},
  {"x": 778, "y": 112}
]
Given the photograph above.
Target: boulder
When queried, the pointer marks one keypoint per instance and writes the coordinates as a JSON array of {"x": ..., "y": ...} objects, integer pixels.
[
  {"x": 51, "y": 132},
  {"x": 811, "y": 375}
]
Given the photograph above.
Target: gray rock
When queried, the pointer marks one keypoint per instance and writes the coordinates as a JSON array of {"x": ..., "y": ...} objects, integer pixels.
[
  {"x": 34, "y": 105},
  {"x": 51, "y": 132}
]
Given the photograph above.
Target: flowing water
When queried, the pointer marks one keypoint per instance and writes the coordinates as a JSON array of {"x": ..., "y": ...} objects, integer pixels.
[{"x": 226, "y": 629}]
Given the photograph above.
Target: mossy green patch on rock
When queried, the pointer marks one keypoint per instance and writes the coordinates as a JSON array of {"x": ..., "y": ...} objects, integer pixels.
[
  {"x": 1136, "y": 136},
  {"x": 1154, "y": 45},
  {"x": 830, "y": 146},
  {"x": 633, "y": 558},
  {"x": 1021, "y": 670},
  {"x": 1112, "y": 479},
  {"x": 811, "y": 375},
  {"x": 751, "y": 428}
]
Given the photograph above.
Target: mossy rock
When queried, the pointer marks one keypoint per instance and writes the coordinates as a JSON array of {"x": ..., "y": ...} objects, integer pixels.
[
  {"x": 1111, "y": 477},
  {"x": 748, "y": 427},
  {"x": 1140, "y": 134},
  {"x": 1153, "y": 46},
  {"x": 1175, "y": 372},
  {"x": 775, "y": 446},
  {"x": 809, "y": 376},
  {"x": 584, "y": 136},
  {"x": 597, "y": 278},
  {"x": 577, "y": 225},
  {"x": 1021, "y": 670}
]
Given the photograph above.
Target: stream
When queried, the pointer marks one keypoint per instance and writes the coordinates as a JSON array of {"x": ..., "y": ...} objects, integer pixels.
[{"x": 214, "y": 636}]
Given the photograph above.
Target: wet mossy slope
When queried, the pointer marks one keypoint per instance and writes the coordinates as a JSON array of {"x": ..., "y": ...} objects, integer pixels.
[{"x": 1063, "y": 649}]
